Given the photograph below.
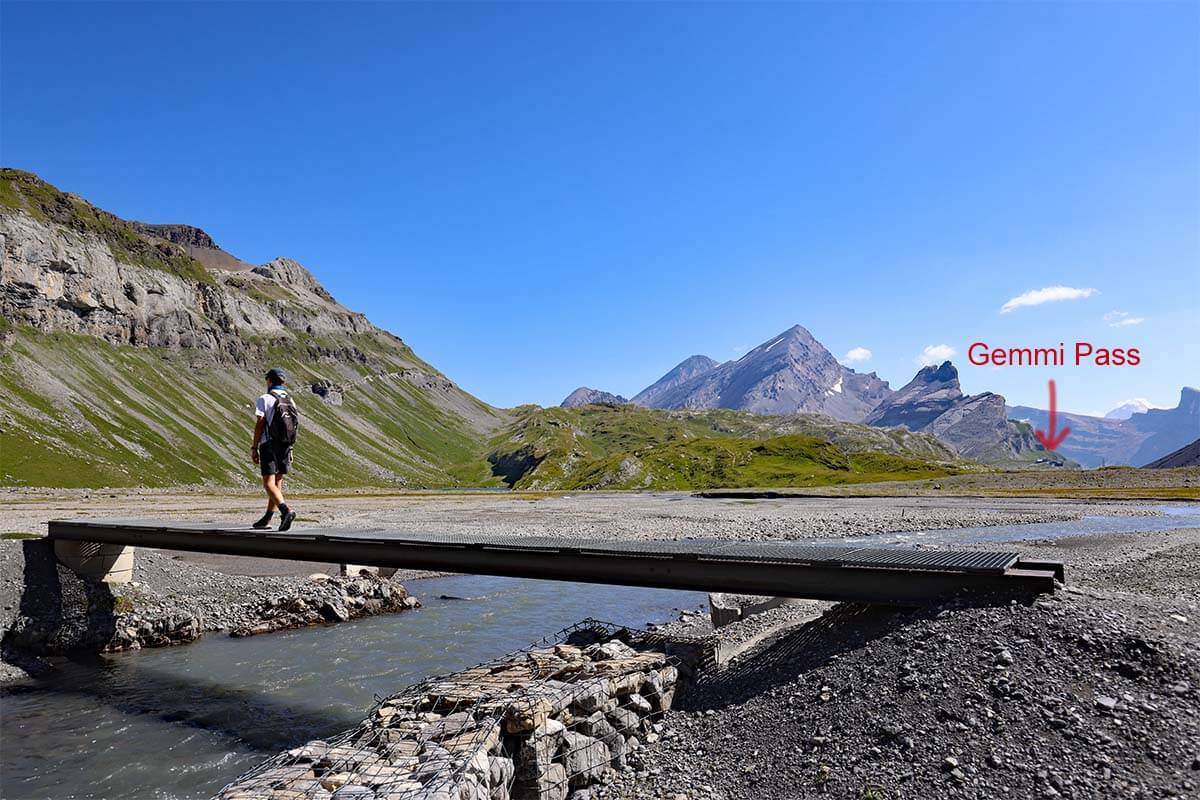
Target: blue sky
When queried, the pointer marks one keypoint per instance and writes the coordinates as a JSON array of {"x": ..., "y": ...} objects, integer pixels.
[{"x": 538, "y": 196}]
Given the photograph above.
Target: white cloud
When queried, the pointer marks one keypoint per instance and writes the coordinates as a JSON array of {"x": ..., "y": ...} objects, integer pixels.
[
  {"x": 1121, "y": 319},
  {"x": 1050, "y": 294},
  {"x": 935, "y": 354},
  {"x": 857, "y": 354}
]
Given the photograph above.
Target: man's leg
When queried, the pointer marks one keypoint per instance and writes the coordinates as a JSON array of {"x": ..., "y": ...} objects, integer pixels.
[
  {"x": 286, "y": 515},
  {"x": 274, "y": 496}
]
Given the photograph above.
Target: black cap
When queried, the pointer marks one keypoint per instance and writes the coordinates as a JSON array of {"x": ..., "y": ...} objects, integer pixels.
[{"x": 277, "y": 375}]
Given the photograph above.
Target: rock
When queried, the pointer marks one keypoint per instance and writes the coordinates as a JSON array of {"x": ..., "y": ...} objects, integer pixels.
[
  {"x": 334, "y": 611},
  {"x": 500, "y": 774},
  {"x": 449, "y": 726},
  {"x": 638, "y": 703},
  {"x": 402, "y": 790},
  {"x": 623, "y": 720},
  {"x": 590, "y": 695},
  {"x": 949, "y": 763},
  {"x": 354, "y": 791},
  {"x": 1106, "y": 704},
  {"x": 614, "y": 649},
  {"x": 336, "y": 780},
  {"x": 313, "y": 751},
  {"x": 536, "y": 752},
  {"x": 551, "y": 785},
  {"x": 527, "y": 713},
  {"x": 342, "y": 758},
  {"x": 1004, "y": 657},
  {"x": 585, "y": 758}
]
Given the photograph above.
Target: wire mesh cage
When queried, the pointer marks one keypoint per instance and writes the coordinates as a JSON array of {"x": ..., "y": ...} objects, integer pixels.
[{"x": 543, "y": 723}]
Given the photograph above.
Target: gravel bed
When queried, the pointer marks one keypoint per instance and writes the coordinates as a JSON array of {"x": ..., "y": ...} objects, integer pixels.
[{"x": 1090, "y": 693}]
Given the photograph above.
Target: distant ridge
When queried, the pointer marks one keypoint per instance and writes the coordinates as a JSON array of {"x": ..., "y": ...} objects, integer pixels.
[
  {"x": 1186, "y": 456},
  {"x": 1142, "y": 438},
  {"x": 587, "y": 396}
]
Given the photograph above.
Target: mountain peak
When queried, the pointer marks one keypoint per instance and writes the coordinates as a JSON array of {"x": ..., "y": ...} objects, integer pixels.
[
  {"x": 686, "y": 370},
  {"x": 790, "y": 373},
  {"x": 946, "y": 373},
  {"x": 933, "y": 391},
  {"x": 585, "y": 395},
  {"x": 1137, "y": 405}
]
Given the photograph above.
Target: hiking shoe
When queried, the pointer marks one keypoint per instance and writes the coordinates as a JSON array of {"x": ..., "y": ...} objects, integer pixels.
[
  {"x": 264, "y": 521},
  {"x": 286, "y": 522}
]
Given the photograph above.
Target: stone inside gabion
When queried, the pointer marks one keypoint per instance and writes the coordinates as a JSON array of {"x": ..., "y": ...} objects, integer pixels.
[{"x": 545, "y": 723}]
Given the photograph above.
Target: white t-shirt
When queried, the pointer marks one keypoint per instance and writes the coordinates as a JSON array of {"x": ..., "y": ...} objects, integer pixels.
[{"x": 264, "y": 407}]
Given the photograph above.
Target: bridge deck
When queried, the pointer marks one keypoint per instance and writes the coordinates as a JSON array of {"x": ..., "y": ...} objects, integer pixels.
[{"x": 782, "y": 569}]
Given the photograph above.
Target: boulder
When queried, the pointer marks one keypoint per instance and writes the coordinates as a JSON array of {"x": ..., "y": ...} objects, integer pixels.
[
  {"x": 535, "y": 754},
  {"x": 551, "y": 785},
  {"x": 590, "y": 695},
  {"x": 638, "y": 703},
  {"x": 624, "y": 720},
  {"x": 585, "y": 758},
  {"x": 500, "y": 775},
  {"x": 609, "y": 650}
]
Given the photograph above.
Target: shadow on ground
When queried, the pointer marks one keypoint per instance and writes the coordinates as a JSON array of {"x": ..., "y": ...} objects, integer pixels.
[{"x": 844, "y": 628}]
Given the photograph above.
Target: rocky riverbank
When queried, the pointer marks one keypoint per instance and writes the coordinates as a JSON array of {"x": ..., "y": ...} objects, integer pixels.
[
  {"x": 46, "y": 610},
  {"x": 548, "y": 723}
]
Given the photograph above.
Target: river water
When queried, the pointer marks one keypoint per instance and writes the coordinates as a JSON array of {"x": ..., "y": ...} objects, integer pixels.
[{"x": 182, "y": 722}]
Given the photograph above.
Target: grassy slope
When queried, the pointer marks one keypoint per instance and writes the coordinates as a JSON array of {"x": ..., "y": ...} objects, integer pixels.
[
  {"x": 126, "y": 416},
  {"x": 629, "y": 447}
]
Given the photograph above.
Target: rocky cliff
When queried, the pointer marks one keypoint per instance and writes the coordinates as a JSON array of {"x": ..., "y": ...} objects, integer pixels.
[
  {"x": 791, "y": 373},
  {"x": 128, "y": 361},
  {"x": 976, "y": 426}
]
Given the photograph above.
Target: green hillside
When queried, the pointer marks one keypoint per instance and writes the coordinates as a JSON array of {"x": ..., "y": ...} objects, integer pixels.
[
  {"x": 628, "y": 447},
  {"x": 78, "y": 412}
]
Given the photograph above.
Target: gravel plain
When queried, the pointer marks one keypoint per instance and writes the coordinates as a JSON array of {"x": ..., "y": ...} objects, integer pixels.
[{"x": 1092, "y": 692}]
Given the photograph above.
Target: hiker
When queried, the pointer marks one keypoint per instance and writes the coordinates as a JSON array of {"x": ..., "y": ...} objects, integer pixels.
[{"x": 274, "y": 434}]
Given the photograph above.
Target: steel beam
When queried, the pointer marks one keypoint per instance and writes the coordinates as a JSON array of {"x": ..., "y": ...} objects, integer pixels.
[{"x": 694, "y": 571}]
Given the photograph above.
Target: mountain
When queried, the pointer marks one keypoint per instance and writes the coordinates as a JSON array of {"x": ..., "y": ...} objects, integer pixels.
[
  {"x": 1139, "y": 405},
  {"x": 631, "y": 447},
  {"x": 791, "y": 373},
  {"x": 1186, "y": 456},
  {"x": 933, "y": 392},
  {"x": 196, "y": 243},
  {"x": 130, "y": 355},
  {"x": 691, "y": 367},
  {"x": 1140, "y": 439},
  {"x": 976, "y": 426},
  {"x": 586, "y": 396}
]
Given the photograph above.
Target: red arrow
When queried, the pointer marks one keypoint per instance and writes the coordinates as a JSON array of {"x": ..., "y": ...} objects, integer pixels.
[{"x": 1052, "y": 440}]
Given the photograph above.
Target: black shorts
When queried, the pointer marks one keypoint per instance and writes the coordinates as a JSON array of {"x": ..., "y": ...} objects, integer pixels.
[{"x": 274, "y": 460}]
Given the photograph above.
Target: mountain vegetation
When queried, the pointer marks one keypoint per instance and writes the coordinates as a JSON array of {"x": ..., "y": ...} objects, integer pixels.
[{"x": 629, "y": 447}]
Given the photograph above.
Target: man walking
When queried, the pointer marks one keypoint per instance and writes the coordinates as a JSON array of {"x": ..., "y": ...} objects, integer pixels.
[{"x": 276, "y": 420}]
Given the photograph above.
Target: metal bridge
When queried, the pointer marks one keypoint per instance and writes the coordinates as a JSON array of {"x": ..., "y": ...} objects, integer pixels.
[{"x": 817, "y": 571}]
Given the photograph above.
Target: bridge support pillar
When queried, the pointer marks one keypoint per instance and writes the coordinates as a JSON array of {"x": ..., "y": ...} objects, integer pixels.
[
  {"x": 109, "y": 563},
  {"x": 354, "y": 570}
]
